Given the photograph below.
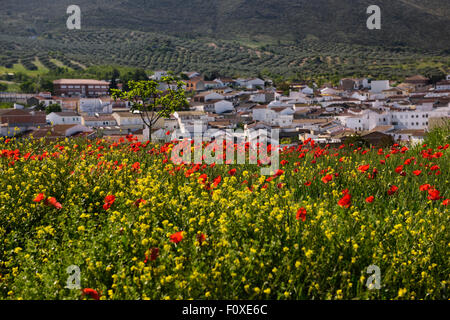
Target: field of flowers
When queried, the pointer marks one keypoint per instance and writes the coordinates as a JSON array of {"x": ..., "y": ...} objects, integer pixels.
[{"x": 139, "y": 226}]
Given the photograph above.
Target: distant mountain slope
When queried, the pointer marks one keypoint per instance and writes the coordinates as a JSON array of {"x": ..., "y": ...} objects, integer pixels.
[{"x": 414, "y": 23}]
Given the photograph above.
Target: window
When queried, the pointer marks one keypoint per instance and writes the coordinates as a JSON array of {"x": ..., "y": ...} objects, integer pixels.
[{"x": 63, "y": 87}]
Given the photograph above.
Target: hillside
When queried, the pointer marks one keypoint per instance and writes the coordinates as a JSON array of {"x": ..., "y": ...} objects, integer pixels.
[
  {"x": 321, "y": 37},
  {"x": 404, "y": 22}
]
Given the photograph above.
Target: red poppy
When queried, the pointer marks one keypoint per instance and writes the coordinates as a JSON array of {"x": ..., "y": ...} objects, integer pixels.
[
  {"x": 217, "y": 180},
  {"x": 345, "y": 191},
  {"x": 110, "y": 199},
  {"x": 39, "y": 197},
  {"x": 307, "y": 183},
  {"x": 203, "y": 178},
  {"x": 106, "y": 206},
  {"x": 327, "y": 178},
  {"x": 446, "y": 202},
  {"x": 279, "y": 172},
  {"x": 91, "y": 292},
  {"x": 392, "y": 190},
  {"x": 399, "y": 169},
  {"x": 52, "y": 201},
  {"x": 434, "y": 194},
  {"x": 232, "y": 172},
  {"x": 136, "y": 166},
  {"x": 424, "y": 187},
  {"x": 176, "y": 237},
  {"x": 345, "y": 201},
  {"x": 364, "y": 168},
  {"x": 301, "y": 214},
  {"x": 370, "y": 199},
  {"x": 417, "y": 172}
]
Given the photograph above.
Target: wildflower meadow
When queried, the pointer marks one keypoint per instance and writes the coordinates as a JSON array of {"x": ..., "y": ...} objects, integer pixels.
[{"x": 138, "y": 226}]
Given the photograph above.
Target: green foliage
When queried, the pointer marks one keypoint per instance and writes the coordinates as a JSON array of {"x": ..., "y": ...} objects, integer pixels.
[
  {"x": 6, "y": 105},
  {"x": 255, "y": 244},
  {"x": 439, "y": 136},
  {"x": 52, "y": 108},
  {"x": 28, "y": 86},
  {"x": 152, "y": 99},
  {"x": 113, "y": 83}
]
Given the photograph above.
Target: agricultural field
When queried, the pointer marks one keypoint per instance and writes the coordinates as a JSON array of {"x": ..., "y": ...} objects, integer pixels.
[
  {"x": 139, "y": 226},
  {"x": 304, "y": 59}
]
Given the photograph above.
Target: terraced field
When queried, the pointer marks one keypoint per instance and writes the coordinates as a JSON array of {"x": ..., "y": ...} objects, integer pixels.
[{"x": 309, "y": 58}]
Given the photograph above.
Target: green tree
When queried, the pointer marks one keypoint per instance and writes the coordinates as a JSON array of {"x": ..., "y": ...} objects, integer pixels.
[
  {"x": 28, "y": 87},
  {"x": 3, "y": 87},
  {"x": 52, "y": 108},
  {"x": 184, "y": 76},
  {"x": 140, "y": 75},
  {"x": 152, "y": 103},
  {"x": 115, "y": 75},
  {"x": 46, "y": 85}
]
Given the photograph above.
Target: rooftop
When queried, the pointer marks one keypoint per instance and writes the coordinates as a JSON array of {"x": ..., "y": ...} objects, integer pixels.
[{"x": 81, "y": 82}]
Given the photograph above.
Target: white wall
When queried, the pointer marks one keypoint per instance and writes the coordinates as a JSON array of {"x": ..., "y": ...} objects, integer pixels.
[
  {"x": 377, "y": 86},
  {"x": 56, "y": 119}
]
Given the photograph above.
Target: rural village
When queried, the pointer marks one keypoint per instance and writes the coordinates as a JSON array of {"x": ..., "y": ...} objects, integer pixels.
[{"x": 376, "y": 111}]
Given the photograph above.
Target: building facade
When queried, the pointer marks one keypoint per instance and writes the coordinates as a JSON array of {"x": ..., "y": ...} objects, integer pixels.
[{"x": 80, "y": 87}]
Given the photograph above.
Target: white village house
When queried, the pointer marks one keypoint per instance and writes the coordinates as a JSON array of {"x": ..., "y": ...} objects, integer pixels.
[{"x": 63, "y": 118}]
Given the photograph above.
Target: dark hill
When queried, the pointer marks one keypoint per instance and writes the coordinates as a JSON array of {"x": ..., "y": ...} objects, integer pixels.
[{"x": 414, "y": 23}]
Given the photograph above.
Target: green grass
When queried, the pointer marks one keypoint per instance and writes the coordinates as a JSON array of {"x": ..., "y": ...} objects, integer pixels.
[
  {"x": 59, "y": 64},
  {"x": 18, "y": 67}
]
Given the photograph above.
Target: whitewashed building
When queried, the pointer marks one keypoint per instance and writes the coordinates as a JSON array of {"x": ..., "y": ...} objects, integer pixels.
[
  {"x": 282, "y": 117},
  {"x": 56, "y": 118},
  {"x": 378, "y": 86},
  {"x": 93, "y": 106},
  {"x": 218, "y": 106}
]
